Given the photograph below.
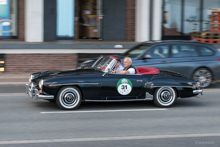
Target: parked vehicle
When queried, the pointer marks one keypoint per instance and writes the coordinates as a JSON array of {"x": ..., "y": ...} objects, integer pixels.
[
  {"x": 195, "y": 60},
  {"x": 98, "y": 84}
]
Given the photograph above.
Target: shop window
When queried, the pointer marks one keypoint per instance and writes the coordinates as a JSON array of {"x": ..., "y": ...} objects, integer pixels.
[
  {"x": 192, "y": 21},
  {"x": 65, "y": 18},
  {"x": 8, "y": 18},
  {"x": 172, "y": 18},
  {"x": 208, "y": 5},
  {"x": 89, "y": 21}
]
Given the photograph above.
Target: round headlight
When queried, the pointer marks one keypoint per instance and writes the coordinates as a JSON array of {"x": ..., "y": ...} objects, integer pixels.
[{"x": 41, "y": 83}]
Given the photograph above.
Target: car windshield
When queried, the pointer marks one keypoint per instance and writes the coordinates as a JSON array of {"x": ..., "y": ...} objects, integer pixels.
[
  {"x": 134, "y": 52},
  {"x": 105, "y": 63}
]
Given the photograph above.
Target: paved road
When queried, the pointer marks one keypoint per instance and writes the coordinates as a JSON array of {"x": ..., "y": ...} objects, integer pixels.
[{"x": 191, "y": 122}]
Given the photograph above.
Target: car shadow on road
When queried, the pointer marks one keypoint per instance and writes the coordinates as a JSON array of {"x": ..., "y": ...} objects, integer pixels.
[
  {"x": 45, "y": 105},
  {"x": 189, "y": 102},
  {"x": 180, "y": 102}
]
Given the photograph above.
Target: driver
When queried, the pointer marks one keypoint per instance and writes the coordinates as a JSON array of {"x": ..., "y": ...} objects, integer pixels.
[{"x": 129, "y": 69}]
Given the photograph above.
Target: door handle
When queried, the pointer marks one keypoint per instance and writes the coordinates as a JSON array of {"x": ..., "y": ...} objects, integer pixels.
[{"x": 164, "y": 62}]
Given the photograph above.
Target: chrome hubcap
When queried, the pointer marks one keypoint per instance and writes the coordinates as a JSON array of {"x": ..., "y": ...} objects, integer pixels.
[
  {"x": 203, "y": 76},
  {"x": 69, "y": 98},
  {"x": 166, "y": 96}
]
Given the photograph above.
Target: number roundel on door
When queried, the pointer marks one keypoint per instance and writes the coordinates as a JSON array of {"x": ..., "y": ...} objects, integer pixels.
[{"x": 124, "y": 86}]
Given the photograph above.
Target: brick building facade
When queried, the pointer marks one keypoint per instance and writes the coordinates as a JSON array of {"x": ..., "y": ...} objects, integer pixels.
[{"x": 128, "y": 21}]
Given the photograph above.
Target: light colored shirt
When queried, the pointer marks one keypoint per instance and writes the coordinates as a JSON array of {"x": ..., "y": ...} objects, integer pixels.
[
  {"x": 131, "y": 70},
  {"x": 120, "y": 67}
]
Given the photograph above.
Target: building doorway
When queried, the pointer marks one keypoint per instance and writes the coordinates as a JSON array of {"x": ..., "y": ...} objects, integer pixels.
[
  {"x": 100, "y": 19},
  {"x": 88, "y": 16}
]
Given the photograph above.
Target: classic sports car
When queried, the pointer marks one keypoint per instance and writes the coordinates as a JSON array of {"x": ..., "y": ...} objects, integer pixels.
[{"x": 98, "y": 84}]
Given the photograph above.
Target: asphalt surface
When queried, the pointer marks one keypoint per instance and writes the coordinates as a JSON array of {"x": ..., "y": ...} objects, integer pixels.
[{"x": 26, "y": 122}]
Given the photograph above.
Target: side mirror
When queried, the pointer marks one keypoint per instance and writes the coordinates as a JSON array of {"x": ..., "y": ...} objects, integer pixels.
[{"x": 147, "y": 56}]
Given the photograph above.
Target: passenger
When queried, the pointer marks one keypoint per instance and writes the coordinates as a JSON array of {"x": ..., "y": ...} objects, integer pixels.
[
  {"x": 129, "y": 69},
  {"x": 118, "y": 65}
]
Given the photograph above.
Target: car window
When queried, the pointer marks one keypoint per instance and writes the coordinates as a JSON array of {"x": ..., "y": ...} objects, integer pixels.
[
  {"x": 182, "y": 51},
  {"x": 134, "y": 52},
  {"x": 204, "y": 51},
  {"x": 159, "y": 52}
]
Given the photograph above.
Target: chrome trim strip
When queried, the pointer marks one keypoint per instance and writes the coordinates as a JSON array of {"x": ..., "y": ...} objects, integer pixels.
[
  {"x": 197, "y": 91},
  {"x": 73, "y": 84},
  {"x": 127, "y": 100},
  {"x": 173, "y": 86}
]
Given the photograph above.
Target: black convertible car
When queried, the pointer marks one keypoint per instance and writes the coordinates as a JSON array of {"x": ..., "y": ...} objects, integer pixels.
[{"x": 98, "y": 84}]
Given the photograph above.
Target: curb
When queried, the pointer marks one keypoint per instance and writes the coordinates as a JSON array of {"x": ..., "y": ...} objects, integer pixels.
[{"x": 13, "y": 83}]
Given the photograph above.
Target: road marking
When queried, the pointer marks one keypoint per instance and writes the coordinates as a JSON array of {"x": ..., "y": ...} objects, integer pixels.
[
  {"x": 13, "y": 94},
  {"x": 102, "y": 111},
  {"x": 109, "y": 138}
]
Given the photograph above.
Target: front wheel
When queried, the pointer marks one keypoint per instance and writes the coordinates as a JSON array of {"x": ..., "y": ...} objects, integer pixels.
[
  {"x": 69, "y": 98},
  {"x": 165, "y": 97}
]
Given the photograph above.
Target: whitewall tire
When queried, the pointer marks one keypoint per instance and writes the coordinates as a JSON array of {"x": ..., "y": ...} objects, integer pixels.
[
  {"x": 165, "y": 97},
  {"x": 69, "y": 98}
]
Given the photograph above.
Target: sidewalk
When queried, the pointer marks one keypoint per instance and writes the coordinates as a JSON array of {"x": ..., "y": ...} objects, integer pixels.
[{"x": 17, "y": 79}]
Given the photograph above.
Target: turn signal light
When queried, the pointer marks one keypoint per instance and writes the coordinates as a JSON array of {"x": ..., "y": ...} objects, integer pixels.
[
  {"x": 218, "y": 59},
  {"x": 198, "y": 84}
]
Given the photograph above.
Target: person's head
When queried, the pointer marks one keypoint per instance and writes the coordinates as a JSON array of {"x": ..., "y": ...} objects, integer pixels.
[
  {"x": 118, "y": 62},
  {"x": 127, "y": 62}
]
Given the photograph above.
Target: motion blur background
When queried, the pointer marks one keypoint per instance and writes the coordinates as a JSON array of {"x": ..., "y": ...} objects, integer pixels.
[{"x": 38, "y": 35}]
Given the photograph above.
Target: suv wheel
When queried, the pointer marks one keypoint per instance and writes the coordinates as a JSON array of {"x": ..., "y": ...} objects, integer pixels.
[{"x": 203, "y": 76}]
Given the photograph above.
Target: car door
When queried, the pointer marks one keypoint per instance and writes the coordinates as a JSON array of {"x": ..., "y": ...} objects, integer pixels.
[
  {"x": 121, "y": 86},
  {"x": 158, "y": 58},
  {"x": 182, "y": 59}
]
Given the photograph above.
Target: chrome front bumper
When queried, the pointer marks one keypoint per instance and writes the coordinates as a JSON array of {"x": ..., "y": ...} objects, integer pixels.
[
  {"x": 33, "y": 92},
  {"x": 197, "y": 91}
]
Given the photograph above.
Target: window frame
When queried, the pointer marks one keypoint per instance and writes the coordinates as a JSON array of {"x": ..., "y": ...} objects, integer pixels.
[
  {"x": 153, "y": 47},
  {"x": 190, "y": 55},
  {"x": 197, "y": 47}
]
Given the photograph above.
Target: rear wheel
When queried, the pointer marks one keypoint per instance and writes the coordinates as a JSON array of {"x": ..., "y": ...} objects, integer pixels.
[
  {"x": 203, "y": 76},
  {"x": 165, "y": 97},
  {"x": 69, "y": 98}
]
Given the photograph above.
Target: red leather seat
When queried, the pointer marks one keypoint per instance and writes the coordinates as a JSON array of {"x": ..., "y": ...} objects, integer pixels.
[{"x": 147, "y": 70}]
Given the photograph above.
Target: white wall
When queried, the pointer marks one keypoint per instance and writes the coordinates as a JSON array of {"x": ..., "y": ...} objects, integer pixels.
[
  {"x": 157, "y": 20},
  {"x": 142, "y": 20},
  {"x": 34, "y": 20}
]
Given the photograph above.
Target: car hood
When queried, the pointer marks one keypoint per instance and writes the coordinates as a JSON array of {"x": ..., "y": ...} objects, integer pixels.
[{"x": 56, "y": 73}]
